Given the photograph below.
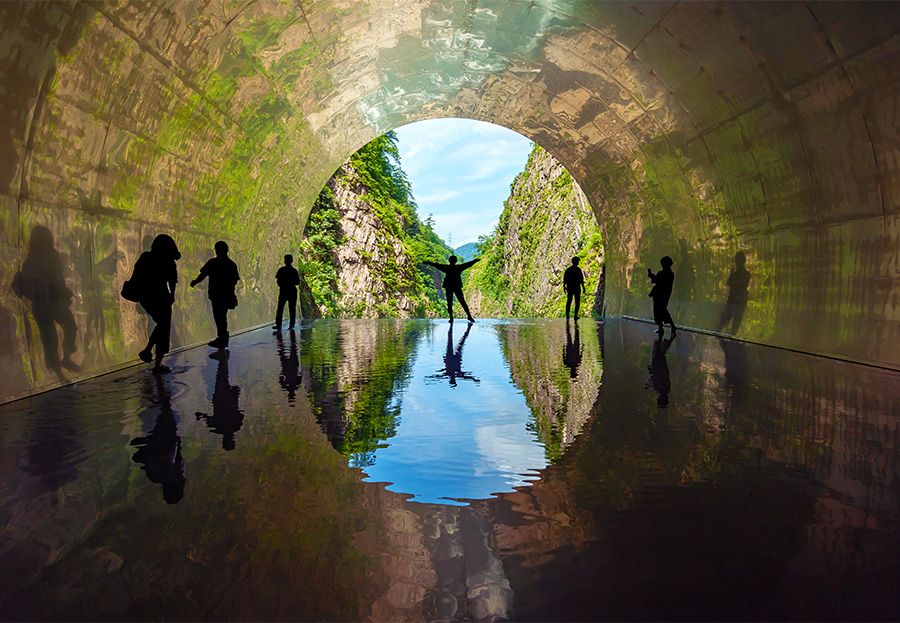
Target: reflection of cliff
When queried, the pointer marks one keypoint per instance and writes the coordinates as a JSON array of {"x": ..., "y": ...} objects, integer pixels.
[
  {"x": 542, "y": 359},
  {"x": 351, "y": 370}
]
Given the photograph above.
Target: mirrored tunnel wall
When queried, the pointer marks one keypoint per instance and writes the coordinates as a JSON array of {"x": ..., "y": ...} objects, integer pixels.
[{"x": 707, "y": 132}]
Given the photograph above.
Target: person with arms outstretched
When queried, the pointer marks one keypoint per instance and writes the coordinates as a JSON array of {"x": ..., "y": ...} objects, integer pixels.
[
  {"x": 288, "y": 279},
  {"x": 573, "y": 286},
  {"x": 661, "y": 292},
  {"x": 453, "y": 283},
  {"x": 223, "y": 277}
]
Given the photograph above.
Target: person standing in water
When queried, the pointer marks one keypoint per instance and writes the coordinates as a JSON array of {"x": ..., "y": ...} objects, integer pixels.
[
  {"x": 661, "y": 292},
  {"x": 154, "y": 278},
  {"x": 288, "y": 279},
  {"x": 573, "y": 286},
  {"x": 453, "y": 283},
  {"x": 223, "y": 277}
]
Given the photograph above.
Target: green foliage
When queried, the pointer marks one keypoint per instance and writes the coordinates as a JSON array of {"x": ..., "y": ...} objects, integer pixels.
[
  {"x": 317, "y": 265},
  {"x": 532, "y": 235},
  {"x": 386, "y": 190}
]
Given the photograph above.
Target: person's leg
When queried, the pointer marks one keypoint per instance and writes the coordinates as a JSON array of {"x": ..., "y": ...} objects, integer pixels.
[
  {"x": 577, "y": 296},
  {"x": 220, "y": 316},
  {"x": 66, "y": 321},
  {"x": 462, "y": 301},
  {"x": 162, "y": 332},
  {"x": 568, "y": 303},
  {"x": 279, "y": 310},
  {"x": 47, "y": 330},
  {"x": 292, "y": 307},
  {"x": 450, "y": 303},
  {"x": 670, "y": 321},
  {"x": 659, "y": 311}
]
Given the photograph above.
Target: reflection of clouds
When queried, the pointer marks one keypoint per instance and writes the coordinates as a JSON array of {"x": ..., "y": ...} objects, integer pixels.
[
  {"x": 511, "y": 450},
  {"x": 469, "y": 442}
]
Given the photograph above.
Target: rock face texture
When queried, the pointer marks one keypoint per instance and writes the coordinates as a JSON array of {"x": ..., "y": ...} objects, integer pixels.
[
  {"x": 546, "y": 220},
  {"x": 696, "y": 130},
  {"x": 364, "y": 254}
]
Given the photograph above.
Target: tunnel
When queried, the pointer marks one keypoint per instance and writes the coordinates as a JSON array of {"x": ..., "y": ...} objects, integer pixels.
[
  {"x": 415, "y": 469},
  {"x": 702, "y": 131}
]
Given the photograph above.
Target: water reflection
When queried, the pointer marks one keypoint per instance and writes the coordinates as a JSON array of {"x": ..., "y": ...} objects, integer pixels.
[
  {"x": 290, "y": 375},
  {"x": 768, "y": 489},
  {"x": 159, "y": 451},
  {"x": 452, "y": 369},
  {"x": 227, "y": 417}
]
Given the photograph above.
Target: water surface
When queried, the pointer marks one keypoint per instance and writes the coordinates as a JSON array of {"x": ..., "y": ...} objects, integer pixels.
[{"x": 512, "y": 469}]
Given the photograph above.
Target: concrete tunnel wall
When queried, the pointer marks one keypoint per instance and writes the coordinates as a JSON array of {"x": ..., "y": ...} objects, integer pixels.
[{"x": 696, "y": 129}]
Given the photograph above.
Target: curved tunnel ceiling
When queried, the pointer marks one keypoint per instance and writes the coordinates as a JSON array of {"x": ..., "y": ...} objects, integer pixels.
[{"x": 696, "y": 129}]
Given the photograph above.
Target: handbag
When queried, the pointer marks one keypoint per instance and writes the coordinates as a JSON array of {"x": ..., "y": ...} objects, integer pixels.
[{"x": 131, "y": 291}]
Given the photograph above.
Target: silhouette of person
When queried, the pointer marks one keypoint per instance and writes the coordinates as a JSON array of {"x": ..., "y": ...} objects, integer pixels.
[
  {"x": 661, "y": 292},
  {"x": 156, "y": 276},
  {"x": 659, "y": 371},
  {"x": 736, "y": 303},
  {"x": 453, "y": 283},
  {"x": 452, "y": 369},
  {"x": 573, "y": 352},
  {"x": 41, "y": 282},
  {"x": 573, "y": 286},
  {"x": 288, "y": 279},
  {"x": 290, "y": 376},
  {"x": 159, "y": 452},
  {"x": 227, "y": 417},
  {"x": 223, "y": 277}
]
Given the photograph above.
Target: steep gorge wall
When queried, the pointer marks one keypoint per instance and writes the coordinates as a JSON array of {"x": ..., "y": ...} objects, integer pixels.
[
  {"x": 365, "y": 243},
  {"x": 546, "y": 220}
]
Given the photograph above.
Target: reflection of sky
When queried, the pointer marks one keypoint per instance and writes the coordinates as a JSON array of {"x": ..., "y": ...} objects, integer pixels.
[{"x": 467, "y": 441}]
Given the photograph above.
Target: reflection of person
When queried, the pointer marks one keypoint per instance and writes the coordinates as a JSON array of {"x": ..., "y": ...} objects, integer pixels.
[
  {"x": 288, "y": 279},
  {"x": 452, "y": 369},
  {"x": 290, "y": 376},
  {"x": 661, "y": 292},
  {"x": 573, "y": 352},
  {"x": 156, "y": 276},
  {"x": 573, "y": 286},
  {"x": 41, "y": 281},
  {"x": 227, "y": 417},
  {"x": 223, "y": 277},
  {"x": 736, "y": 303},
  {"x": 659, "y": 371},
  {"x": 453, "y": 283},
  {"x": 159, "y": 453}
]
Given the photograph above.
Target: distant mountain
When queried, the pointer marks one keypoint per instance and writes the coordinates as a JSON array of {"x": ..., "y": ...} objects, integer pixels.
[{"x": 466, "y": 252}]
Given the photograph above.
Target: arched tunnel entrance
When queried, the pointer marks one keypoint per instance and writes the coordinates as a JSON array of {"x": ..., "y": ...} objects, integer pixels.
[
  {"x": 697, "y": 131},
  {"x": 560, "y": 471}
]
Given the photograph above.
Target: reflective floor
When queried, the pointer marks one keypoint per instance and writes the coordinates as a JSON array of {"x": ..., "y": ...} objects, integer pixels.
[{"x": 416, "y": 470}]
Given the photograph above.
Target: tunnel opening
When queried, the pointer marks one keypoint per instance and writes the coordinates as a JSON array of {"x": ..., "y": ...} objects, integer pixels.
[{"x": 490, "y": 195}]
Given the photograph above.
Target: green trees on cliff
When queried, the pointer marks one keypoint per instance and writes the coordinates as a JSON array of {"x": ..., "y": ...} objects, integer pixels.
[
  {"x": 397, "y": 285},
  {"x": 545, "y": 221}
]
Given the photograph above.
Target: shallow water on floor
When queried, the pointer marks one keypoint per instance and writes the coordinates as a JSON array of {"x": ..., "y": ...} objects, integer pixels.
[{"x": 522, "y": 469}]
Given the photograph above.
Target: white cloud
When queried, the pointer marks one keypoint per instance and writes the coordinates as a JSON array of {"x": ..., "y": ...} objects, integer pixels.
[{"x": 460, "y": 170}]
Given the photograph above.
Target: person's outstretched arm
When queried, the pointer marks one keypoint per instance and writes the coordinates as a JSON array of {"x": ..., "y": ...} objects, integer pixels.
[
  {"x": 468, "y": 264},
  {"x": 440, "y": 267},
  {"x": 201, "y": 275}
]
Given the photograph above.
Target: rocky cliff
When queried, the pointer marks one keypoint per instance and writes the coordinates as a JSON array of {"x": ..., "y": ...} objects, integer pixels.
[
  {"x": 546, "y": 220},
  {"x": 364, "y": 243}
]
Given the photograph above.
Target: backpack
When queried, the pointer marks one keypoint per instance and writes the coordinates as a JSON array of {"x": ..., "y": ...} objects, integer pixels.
[{"x": 133, "y": 288}]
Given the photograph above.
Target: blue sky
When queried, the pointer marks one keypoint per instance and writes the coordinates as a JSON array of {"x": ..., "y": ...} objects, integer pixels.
[{"x": 460, "y": 171}]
